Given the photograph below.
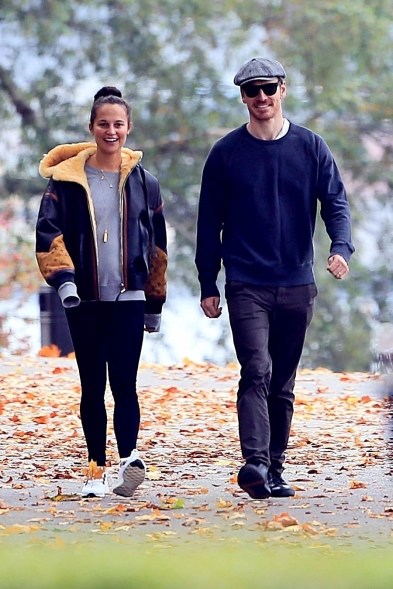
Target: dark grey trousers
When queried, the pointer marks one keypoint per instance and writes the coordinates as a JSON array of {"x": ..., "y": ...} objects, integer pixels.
[{"x": 269, "y": 326}]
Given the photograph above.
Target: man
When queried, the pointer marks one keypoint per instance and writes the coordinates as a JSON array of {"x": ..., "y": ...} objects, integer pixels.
[{"x": 257, "y": 213}]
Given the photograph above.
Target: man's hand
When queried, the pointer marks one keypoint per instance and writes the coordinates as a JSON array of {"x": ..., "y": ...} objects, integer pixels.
[
  {"x": 211, "y": 308},
  {"x": 337, "y": 266}
]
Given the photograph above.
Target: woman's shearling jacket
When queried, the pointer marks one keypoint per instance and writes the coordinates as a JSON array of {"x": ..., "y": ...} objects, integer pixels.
[{"x": 66, "y": 235}]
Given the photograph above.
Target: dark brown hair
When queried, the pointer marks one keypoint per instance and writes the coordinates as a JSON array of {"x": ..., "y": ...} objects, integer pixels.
[{"x": 108, "y": 95}]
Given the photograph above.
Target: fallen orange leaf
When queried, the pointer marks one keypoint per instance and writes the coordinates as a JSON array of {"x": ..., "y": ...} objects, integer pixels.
[
  {"x": 51, "y": 351},
  {"x": 41, "y": 419},
  {"x": 285, "y": 520},
  {"x": 357, "y": 485}
]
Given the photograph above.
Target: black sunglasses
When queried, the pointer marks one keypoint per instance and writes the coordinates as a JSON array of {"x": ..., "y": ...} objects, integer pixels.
[{"x": 252, "y": 90}]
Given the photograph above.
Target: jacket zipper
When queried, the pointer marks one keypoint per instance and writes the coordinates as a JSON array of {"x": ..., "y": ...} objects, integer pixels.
[
  {"x": 123, "y": 231},
  {"x": 95, "y": 248}
]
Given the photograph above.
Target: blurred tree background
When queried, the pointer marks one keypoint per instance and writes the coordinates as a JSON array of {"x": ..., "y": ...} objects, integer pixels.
[{"x": 175, "y": 61}]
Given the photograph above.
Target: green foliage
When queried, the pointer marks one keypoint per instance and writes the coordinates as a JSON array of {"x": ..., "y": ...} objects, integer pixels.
[
  {"x": 340, "y": 333},
  {"x": 175, "y": 62}
]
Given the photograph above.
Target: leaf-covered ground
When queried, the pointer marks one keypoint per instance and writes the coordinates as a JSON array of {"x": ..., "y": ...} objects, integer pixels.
[{"x": 339, "y": 460}]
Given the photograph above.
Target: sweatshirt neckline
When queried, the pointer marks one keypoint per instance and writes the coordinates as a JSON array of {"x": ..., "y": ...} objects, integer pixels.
[{"x": 248, "y": 135}]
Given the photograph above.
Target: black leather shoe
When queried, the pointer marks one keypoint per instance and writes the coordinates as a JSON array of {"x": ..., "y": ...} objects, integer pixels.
[
  {"x": 278, "y": 487},
  {"x": 252, "y": 478}
]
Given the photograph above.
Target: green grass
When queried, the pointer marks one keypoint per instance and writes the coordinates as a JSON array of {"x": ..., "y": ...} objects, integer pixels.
[{"x": 202, "y": 566}]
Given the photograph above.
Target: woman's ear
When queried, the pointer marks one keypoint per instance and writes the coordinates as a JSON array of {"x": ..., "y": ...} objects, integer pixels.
[{"x": 130, "y": 125}]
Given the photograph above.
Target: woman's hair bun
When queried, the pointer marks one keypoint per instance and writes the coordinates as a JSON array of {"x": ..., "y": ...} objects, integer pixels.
[{"x": 107, "y": 91}]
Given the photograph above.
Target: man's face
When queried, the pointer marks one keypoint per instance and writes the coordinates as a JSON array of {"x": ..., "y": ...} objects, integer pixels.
[{"x": 265, "y": 105}]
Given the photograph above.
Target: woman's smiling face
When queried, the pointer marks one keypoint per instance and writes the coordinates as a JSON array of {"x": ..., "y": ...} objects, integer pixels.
[{"x": 110, "y": 127}]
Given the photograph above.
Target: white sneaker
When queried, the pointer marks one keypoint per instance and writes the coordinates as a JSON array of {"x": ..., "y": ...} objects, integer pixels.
[
  {"x": 95, "y": 487},
  {"x": 131, "y": 474}
]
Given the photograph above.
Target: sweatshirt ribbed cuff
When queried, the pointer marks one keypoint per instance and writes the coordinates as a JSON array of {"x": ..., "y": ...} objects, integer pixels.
[{"x": 68, "y": 295}]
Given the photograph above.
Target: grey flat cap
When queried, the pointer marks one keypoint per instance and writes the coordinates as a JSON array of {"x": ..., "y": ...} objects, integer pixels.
[{"x": 259, "y": 68}]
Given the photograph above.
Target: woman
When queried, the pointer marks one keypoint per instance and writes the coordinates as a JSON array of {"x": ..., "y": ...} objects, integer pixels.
[{"x": 101, "y": 243}]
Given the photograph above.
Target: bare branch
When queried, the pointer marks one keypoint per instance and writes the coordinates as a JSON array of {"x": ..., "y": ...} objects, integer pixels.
[{"x": 22, "y": 107}]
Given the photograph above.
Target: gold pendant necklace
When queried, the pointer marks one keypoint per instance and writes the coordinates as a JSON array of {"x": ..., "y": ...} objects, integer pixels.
[
  {"x": 105, "y": 236},
  {"x": 103, "y": 177}
]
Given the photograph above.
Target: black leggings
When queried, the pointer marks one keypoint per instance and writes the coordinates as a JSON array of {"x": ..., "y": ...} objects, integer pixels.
[{"x": 108, "y": 335}]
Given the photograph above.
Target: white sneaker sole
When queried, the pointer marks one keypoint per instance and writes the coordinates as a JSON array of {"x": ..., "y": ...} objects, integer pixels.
[
  {"x": 92, "y": 495},
  {"x": 99, "y": 490},
  {"x": 133, "y": 476}
]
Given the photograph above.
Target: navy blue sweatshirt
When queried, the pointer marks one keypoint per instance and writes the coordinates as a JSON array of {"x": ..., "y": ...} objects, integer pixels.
[{"x": 258, "y": 206}]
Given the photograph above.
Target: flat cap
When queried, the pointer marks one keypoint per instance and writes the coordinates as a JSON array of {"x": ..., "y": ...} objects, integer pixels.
[{"x": 259, "y": 68}]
